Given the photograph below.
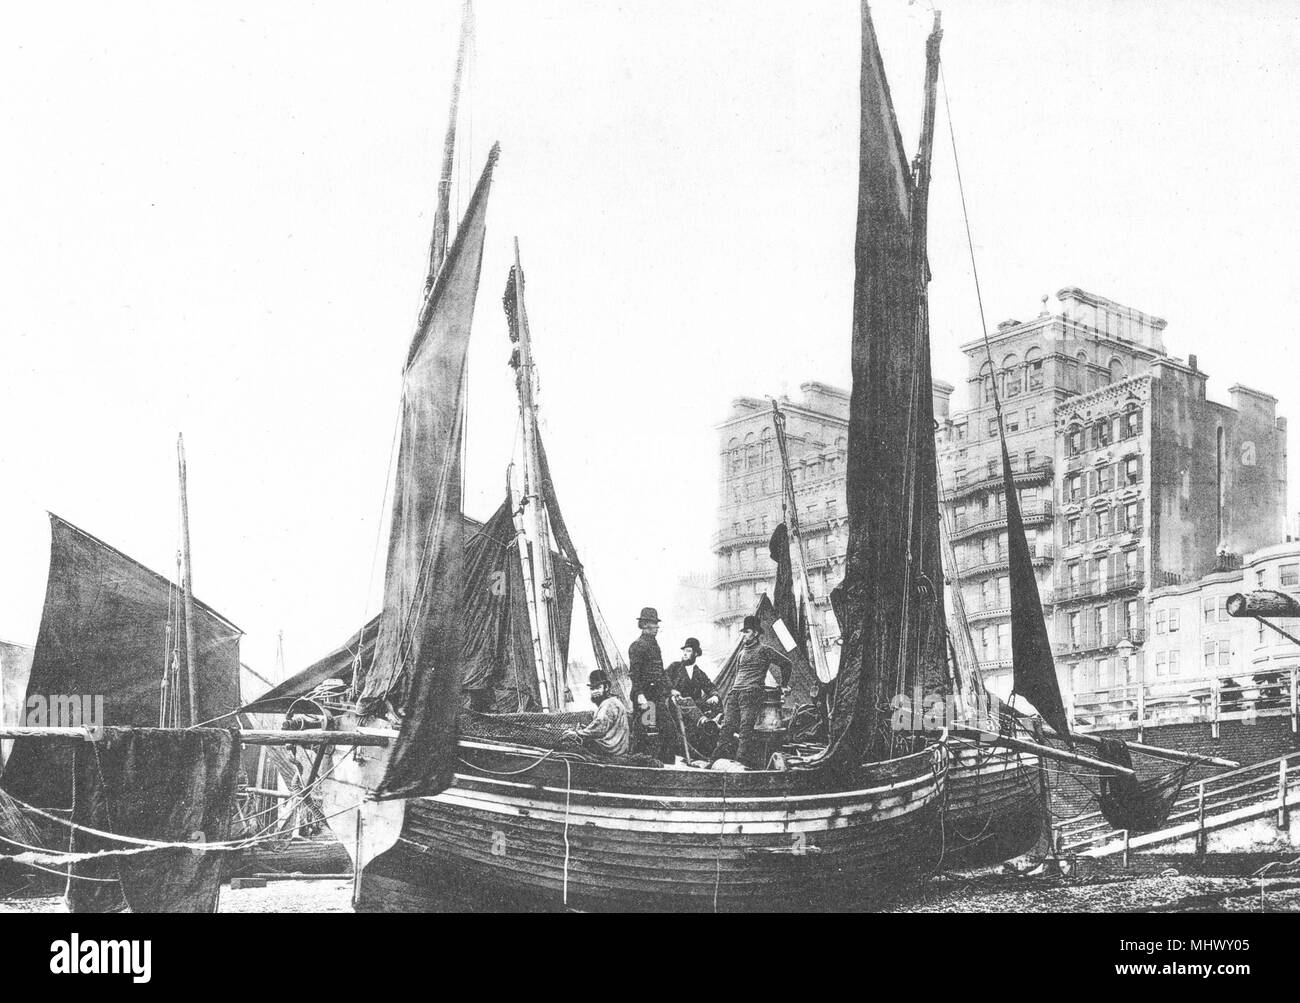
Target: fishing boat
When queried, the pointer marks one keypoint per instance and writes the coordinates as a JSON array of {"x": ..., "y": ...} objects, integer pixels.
[{"x": 496, "y": 807}]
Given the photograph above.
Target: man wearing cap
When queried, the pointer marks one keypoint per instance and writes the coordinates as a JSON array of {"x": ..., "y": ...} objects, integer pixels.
[
  {"x": 650, "y": 691},
  {"x": 607, "y": 733},
  {"x": 745, "y": 698}
]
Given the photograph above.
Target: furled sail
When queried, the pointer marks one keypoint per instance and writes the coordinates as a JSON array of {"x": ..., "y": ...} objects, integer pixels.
[
  {"x": 1033, "y": 668},
  {"x": 104, "y": 634},
  {"x": 890, "y": 604},
  {"x": 417, "y": 657}
]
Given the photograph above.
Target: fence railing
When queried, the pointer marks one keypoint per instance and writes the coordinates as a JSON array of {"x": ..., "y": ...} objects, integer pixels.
[{"x": 1210, "y": 700}]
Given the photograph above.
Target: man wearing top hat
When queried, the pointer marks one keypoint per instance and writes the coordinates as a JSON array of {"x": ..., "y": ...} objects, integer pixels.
[
  {"x": 650, "y": 692},
  {"x": 745, "y": 698}
]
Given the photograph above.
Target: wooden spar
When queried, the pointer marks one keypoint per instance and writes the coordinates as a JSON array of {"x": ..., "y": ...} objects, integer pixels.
[
  {"x": 1176, "y": 755},
  {"x": 313, "y": 737},
  {"x": 797, "y": 556},
  {"x": 534, "y": 511},
  {"x": 517, "y": 503},
  {"x": 1263, "y": 603},
  {"x": 992, "y": 738},
  {"x": 187, "y": 592}
]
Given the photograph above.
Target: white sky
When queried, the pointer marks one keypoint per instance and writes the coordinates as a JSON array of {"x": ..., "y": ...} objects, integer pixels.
[{"x": 215, "y": 219}]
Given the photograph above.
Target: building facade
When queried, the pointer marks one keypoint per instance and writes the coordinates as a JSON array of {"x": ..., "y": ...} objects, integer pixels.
[
  {"x": 751, "y": 503},
  {"x": 1128, "y": 478}
]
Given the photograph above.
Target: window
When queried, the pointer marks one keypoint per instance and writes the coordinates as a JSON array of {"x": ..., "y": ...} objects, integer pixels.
[
  {"x": 1132, "y": 422},
  {"x": 1074, "y": 488},
  {"x": 1289, "y": 576},
  {"x": 1174, "y": 658},
  {"x": 961, "y": 431},
  {"x": 1105, "y": 478},
  {"x": 992, "y": 467},
  {"x": 1131, "y": 566},
  {"x": 1073, "y": 622},
  {"x": 1103, "y": 522},
  {"x": 1074, "y": 443},
  {"x": 1105, "y": 679},
  {"x": 1208, "y": 614},
  {"x": 988, "y": 595},
  {"x": 1004, "y": 593},
  {"x": 1074, "y": 576},
  {"x": 993, "y": 428},
  {"x": 1133, "y": 470},
  {"x": 1162, "y": 623},
  {"x": 1031, "y": 455},
  {"x": 1034, "y": 368},
  {"x": 1074, "y": 531},
  {"x": 1132, "y": 517},
  {"x": 1004, "y": 640},
  {"x": 1031, "y": 415},
  {"x": 986, "y": 644},
  {"x": 1162, "y": 663},
  {"x": 1173, "y": 621},
  {"x": 1259, "y": 578},
  {"x": 1216, "y": 655},
  {"x": 1131, "y": 616},
  {"x": 1013, "y": 422},
  {"x": 1101, "y": 433}
]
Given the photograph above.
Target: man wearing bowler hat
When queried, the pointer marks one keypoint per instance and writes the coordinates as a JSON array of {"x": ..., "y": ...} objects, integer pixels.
[
  {"x": 687, "y": 681},
  {"x": 745, "y": 698},
  {"x": 651, "y": 732}
]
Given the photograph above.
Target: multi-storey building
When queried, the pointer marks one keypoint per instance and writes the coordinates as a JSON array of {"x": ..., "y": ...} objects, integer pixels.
[
  {"x": 1127, "y": 477},
  {"x": 751, "y": 503}
]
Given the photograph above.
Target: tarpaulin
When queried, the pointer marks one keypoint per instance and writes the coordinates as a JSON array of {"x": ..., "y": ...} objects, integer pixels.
[{"x": 170, "y": 786}]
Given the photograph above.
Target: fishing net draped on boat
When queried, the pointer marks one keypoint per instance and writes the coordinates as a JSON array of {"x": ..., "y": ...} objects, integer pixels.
[
  {"x": 1137, "y": 805},
  {"x": 542, "y": 731}
]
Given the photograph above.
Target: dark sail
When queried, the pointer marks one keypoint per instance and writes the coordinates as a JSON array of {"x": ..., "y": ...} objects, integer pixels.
[
  {"x": 784, "y": 601},
  {"x": 802, "y": 678},
  {"x": 417, "y": 656},
  {"x": 1033, "y": 668},
  {"x": 608, "y": 657},
  {"x": 891, "y": 597},
  {"x": 104, "y": 633}
]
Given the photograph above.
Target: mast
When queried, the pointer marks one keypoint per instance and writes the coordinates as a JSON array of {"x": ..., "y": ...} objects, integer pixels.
[
  {"x": 798, "y": 555},
  {"x": 518, "y": 502},
  {"x": 533, "y": 510},
  {"x": 187, "y": 592},
  {"x": 442, "y": 214}
]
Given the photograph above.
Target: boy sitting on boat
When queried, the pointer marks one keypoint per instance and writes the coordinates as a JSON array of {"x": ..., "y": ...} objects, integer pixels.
[{"x": 608, "y": 733}]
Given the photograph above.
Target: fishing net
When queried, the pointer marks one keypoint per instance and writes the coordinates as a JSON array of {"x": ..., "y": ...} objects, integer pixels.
[
  {"x": 1140, "y": 805},
  {"x": 542, "y": 731}
]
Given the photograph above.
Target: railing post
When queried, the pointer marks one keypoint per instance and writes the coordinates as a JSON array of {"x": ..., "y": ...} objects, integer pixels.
[
  {"x": 1295, "y": 674},
  {"x": 1126, "y": 849},
  {"x": 1142, "y": 708},
  {"x": 1283, "y": 820},
  {"x": 1214, "y": 707},
  {"x": 1200, "y": 821}
]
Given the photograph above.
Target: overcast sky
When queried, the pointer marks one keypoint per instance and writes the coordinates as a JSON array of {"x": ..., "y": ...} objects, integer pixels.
[{"x": 215, "y": 220}]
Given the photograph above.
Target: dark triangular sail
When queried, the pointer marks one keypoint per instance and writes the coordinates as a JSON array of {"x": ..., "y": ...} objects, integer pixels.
[
  {"x": 891, "y": 598},
  {"x": 418, "y": 654},
  {"x": 1033, "y": 668},
  {"x": 104, "y": 633}
]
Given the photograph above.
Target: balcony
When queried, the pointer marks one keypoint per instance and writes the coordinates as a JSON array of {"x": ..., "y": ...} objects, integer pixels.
[
  {"x": 1128, "y": 582},
  {"x": 745, "y": 575},
  {"x": 969, "y": 525},
  {"x": 1039, "y": 472},
  {"x": 1097, "y": 641},
  {"x": 1039, "y": 554}
]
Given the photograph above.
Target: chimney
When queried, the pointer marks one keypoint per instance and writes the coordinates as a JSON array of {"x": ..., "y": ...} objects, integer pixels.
[{"x": 1191, "y": 361}]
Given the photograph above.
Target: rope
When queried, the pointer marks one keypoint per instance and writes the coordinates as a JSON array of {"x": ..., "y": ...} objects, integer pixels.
[{"x": 717, "y": 860}]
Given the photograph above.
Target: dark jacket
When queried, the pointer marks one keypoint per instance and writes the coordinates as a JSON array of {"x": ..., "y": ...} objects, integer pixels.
[
  {"x": 754, "y": 663},
  {"x": 692, "y": 682},
  {"x": 646, "y": 666}
]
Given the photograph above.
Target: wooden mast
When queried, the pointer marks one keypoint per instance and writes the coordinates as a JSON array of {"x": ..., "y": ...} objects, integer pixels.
[
  {"x": 534, "y": 510},
  {"x": 803, "y": 589},
  {"x": 187, "y": 592},
  {"x": 518, "y": 503}
]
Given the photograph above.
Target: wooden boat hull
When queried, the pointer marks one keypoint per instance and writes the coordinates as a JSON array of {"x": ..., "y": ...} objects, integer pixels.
[
  {"x": 995, "y": 807},
  {"x": 518, "y": 831}
]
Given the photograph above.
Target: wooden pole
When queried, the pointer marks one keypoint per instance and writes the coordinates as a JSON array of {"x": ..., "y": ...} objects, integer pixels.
[
  {"x": 187, "y": 592},
  {"x": 313, "y": 737},
  {"x": 1177, "y": 755},
  {"x": 992, "y": 738},
  {"x": 1200, "y": 820},
  {"x": 1282, "y": 819}
]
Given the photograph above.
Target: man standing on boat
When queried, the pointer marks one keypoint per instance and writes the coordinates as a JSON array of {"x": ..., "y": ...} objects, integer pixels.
[
  {"x": 607, "y": 733},
  {"x": 745, "y": 698},
  {"x": 687, "y": 680},
  {"x": 652, "y": 719}
]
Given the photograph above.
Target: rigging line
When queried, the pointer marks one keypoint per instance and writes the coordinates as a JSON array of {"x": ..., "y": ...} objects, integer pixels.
[{"x": 379, "y": 528}]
